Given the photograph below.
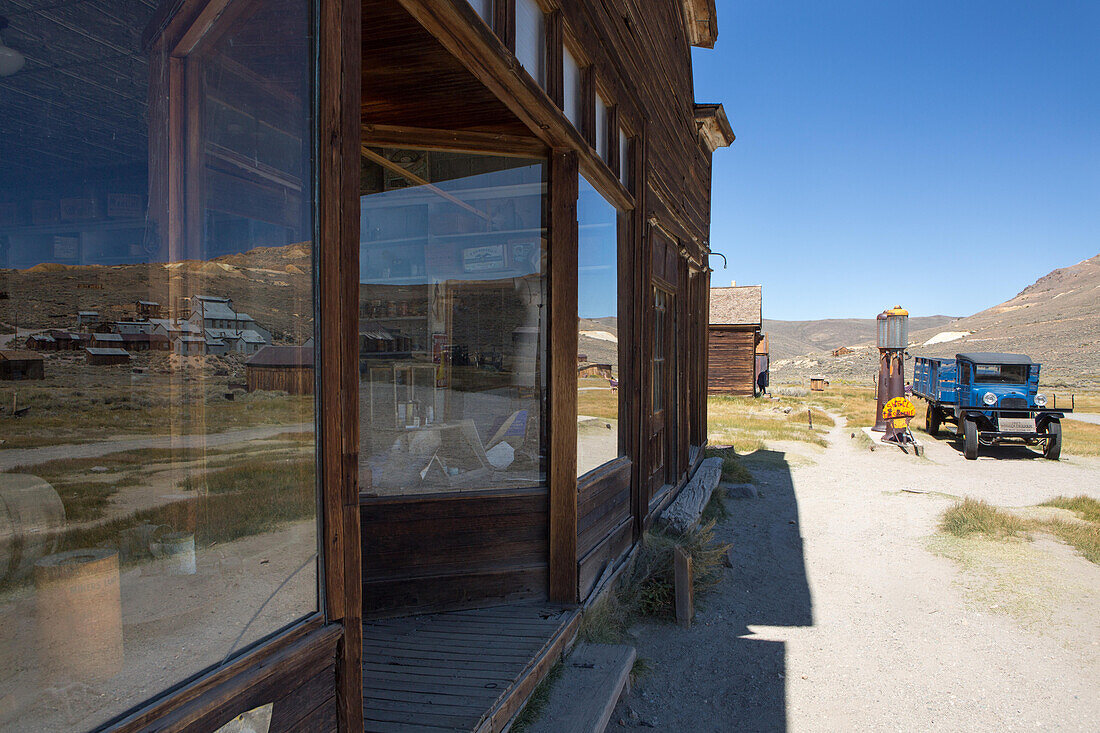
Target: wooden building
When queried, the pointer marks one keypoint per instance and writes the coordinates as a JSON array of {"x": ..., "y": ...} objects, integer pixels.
[
  {"x": 842, "y": 351},
  {"x": 18, "y": 365},
  {"x": 106, "y": 356},
  {"x": 594, "y": 370},
  {"x": 734, "y": 340},
  {"x": 281, "y": 368},
  {"x": 819, "y": 383},
  {"x": 470, "y": 180}
]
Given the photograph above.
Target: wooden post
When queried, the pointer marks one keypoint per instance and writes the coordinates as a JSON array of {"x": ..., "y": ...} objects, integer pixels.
[
  {"x": 562, "y": 379},
  {"x": 685, "y": 588},
  {"x": 810, "y": 417},
  {"x": 338, "y": 130}
]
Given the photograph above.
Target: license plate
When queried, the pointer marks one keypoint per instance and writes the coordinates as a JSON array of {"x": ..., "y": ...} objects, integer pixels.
[{"x": 1016, "y": 424}]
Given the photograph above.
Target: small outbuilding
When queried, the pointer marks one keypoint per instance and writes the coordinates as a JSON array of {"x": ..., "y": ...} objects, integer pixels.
[
  {"x": 98, "y": 356},
  {"x": 594, "y": 370},
  {"x": 41, "y": 342},
  {"x": 842, "y": 351},
  {"x": 733, "y": 340},
  {"x": 281, "y": 368},
  {"x": 818, "y": 384},
  {"x": 16, "y": 364}
]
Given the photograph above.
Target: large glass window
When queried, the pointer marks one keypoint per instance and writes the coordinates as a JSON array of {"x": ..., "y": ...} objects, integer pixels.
[
  {"x": 598, "y": 337},
  {"x": 603, "y": 112},
  {"x": 157, "y": 465},
  {"x": 573, "y": 88},
  {"x": 452, "y": 322},
  {"x": 484, "y": 8},
  {"x": 531, "y": 39}
]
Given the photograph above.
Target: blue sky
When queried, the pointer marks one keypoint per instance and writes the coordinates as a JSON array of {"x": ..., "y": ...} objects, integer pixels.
[{"x": 940, "y": 155}]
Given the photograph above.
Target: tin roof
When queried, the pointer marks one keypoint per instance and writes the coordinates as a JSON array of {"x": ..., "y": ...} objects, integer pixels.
[
  {"x": 995, "y": 357},
  {"x": 282, "y": 356},
  {"x": 108, "y": 337},
  {"x": 736, "y": 306},
  {"x": 107, "y": 352}
]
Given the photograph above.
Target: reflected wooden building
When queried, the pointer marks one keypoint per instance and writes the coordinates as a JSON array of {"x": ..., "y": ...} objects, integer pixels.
[{"x": 474, "y": 179}]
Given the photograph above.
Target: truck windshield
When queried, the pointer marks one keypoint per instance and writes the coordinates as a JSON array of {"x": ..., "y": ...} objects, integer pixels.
[{"x": 1001, "y": 373}]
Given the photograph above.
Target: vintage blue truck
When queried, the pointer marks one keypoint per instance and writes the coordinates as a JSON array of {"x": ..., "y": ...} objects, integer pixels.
[{"x": 992, "y": 398}]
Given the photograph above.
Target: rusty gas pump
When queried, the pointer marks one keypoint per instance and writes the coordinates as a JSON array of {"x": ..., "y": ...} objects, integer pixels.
[{"x": 893, "y": 338}]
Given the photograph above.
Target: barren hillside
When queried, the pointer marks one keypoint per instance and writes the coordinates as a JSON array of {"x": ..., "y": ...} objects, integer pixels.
[
  {"x": 1055, "y": 321},
  {"x": 795, "y": 338},
  {"x": 271, "y": 284}
]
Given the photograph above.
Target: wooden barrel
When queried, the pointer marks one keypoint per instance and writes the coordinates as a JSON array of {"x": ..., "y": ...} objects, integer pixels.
[
  {"x": 31, "y": 517},
  {"x": 79, "y": 615}
]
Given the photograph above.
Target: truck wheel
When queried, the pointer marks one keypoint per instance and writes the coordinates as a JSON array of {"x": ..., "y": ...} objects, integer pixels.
[
  {"x": 932, "y": 420},
  {"x": 1053, "y": 449},
  {"x": 970, "y": 439}
]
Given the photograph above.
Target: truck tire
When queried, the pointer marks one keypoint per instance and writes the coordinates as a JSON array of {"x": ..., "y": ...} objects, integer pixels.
[
  {"x": 970, "y": 439},
  {"x": 1053, "y": 448},
  {"x": 932, "y": 420}
]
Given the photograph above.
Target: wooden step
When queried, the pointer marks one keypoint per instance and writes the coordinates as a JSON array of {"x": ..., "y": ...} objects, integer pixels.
[{"x": 584, "y": 697}]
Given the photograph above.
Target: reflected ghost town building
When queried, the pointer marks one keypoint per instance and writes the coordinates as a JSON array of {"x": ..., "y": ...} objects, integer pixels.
[{"x": 307, "y": 281}]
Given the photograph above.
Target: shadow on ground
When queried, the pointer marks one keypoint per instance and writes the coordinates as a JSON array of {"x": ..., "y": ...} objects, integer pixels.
[
  {"x": 719, "y": 675},
  {"x": 999, "y": 452}
]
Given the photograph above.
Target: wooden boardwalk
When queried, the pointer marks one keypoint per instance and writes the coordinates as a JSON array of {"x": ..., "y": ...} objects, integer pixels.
[{"x": 458, "y": 671}]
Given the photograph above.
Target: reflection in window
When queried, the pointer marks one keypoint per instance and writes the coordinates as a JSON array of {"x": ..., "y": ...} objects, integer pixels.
[
  {"x": 573, "y": 88},
  {"x": 598, "y": 338},
  {"x": 531, "y": 39},
  {"x": 602, "y": 113},
  {"x": 624, "y": 158},
  {"x": 484, "y": 8},
  {"x": 451, "y": 330},
  {"x": 163, "y": 462}
]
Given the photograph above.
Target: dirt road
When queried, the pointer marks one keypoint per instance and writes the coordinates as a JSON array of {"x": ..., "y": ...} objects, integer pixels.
[
  {"x": 28, "y": 456},
  {"x": 847, "y": 610}
]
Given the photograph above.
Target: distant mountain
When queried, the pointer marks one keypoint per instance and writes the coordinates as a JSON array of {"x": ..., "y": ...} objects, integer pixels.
[
  {"x": 1055, "y": 321},
  {"x": 271, "y": 284},
  {"x": 788, "y": 339}
]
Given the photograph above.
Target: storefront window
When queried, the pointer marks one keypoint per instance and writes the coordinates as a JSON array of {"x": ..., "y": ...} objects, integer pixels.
[
  {"x": 451, "y": 322},
  {"x": 573, "y": 91},
  {"x": 484, "y": 8},
  {"x": 157, "y": 463},
  {"x": 598, "y": 337},
  {"x": 602, "y": 114},
  {"x": 531, "y": 39}
]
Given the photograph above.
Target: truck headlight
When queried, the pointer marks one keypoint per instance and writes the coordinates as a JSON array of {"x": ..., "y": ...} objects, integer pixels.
[
  {"x": 989, "y": 398},
  {"x": 1041, "y": 400}
]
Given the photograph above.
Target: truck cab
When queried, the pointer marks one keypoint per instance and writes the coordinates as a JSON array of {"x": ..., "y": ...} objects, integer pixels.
[{"x": 992, "y": 398}]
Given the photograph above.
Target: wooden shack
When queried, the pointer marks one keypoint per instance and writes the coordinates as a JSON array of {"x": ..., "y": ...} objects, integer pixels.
[
  {"x": 842, "y": 351},
  {"x": 595, "y": 370},
  {"x": 819, "y": 383},
  {"x": 281, "y": 368},
  {"x": 734, "y": 339},
  {"x": 17, "y": 365},
  {"x": 440, "y": 192},
  {"x": 106, "y": 356}
]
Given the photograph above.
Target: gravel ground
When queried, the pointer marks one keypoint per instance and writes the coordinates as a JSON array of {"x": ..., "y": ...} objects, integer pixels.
[{"x": 846, "y": 610}]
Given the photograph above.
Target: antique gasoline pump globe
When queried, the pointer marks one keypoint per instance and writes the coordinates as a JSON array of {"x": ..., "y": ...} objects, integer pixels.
[{"x": 893, "y": 328}]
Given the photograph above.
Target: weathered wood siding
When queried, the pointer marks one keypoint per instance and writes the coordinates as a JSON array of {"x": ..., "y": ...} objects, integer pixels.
[
  {"x": 292, "y": 380},
  {"x": 732, "y": 361},
  {"x": 604, "y": 525},
  {"x": 431, "y": 553}
]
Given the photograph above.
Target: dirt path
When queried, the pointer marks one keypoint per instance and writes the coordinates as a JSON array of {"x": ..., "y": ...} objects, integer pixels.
[
  {"x": 845, "y": 610},
  {"x": 29, "y": 456},
  {"x": 1084, "y": 417}
]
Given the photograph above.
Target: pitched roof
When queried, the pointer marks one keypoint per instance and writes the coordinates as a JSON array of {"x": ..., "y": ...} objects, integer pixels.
[
  {"x": 283, "y": 356},
  {"x": 107, "y": 352},
  {"x": 736, "y": 306}
]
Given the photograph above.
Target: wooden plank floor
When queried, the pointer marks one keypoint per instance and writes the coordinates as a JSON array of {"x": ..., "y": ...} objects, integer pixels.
[{"x": 450, "y": 671}]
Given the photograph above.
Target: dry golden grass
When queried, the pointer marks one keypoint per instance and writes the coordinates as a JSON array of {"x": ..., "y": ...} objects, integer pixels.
[
  {"x": 974, "y": 517},
  {"x": 748, "y": 423},
  {"x": 598, "y": 402}
]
